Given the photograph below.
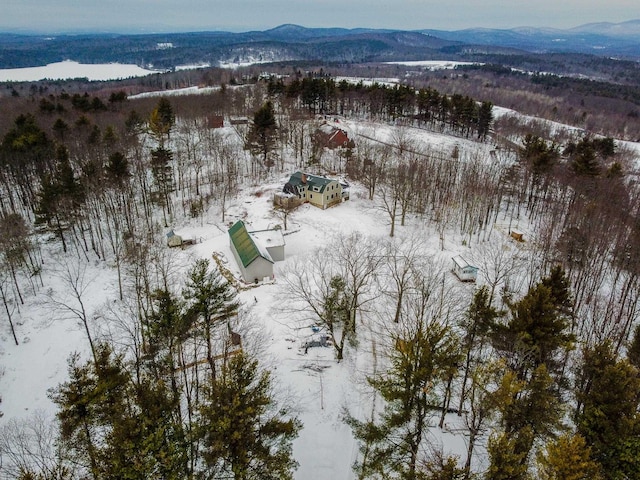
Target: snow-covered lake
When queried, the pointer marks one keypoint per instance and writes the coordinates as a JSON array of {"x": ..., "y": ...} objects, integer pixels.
[{"x": 70, "y": 69}]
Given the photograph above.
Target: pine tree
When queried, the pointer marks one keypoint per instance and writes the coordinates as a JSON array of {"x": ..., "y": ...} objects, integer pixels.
[
  {"x": 608, "y": 393},
  {"x": 162, "y": 120},
  {"x": 60, "y": 198},
  {"x": 420, "y": 360},
  {"x": 244, "y": 436},
  {"x": 477, "y": 323},
  {"x": 146, "y": 439},
  {"x": 211, "y": 300},
  {"x": 506, "y": 463},
  {"x": 262, "y": 136},
  {"x": 88, "y": 404},
  {"x": 567, "y": 458},
  {"x": 162, "y": 171},
  {"x": 536, "y": 333},
  {"x": 485, "y": 117}
]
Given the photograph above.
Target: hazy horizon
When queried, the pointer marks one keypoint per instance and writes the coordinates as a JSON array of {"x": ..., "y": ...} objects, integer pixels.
[{"x": 164, "y": 16}]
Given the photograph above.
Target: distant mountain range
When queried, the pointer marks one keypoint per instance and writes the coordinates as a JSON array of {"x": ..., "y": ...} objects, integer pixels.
[{"x": 294, "y": 42}]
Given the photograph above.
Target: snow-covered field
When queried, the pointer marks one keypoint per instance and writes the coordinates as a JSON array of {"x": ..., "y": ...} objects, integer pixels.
[
  {"x": 319, "y": 386},
  {"x": 70, "y": 69},
  {"x": 433, "y": 64}
]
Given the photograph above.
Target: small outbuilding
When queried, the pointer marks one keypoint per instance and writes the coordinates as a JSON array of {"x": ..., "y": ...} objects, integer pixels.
[
  {"x": 215, "y": 121},
  {"x": 464, "y": 270},
  {"x": 253, "y": 259},
  {"x": 517, "y": 235},
  {"x": 179, "y": 240},
  {"x": 173, "y": 240}
]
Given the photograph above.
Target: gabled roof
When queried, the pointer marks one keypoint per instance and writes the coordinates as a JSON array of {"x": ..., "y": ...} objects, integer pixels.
[
  {"x": 462, "y": 263},
  {"x": 312, "y": 181},
  {"x": 245, "y": 245}
]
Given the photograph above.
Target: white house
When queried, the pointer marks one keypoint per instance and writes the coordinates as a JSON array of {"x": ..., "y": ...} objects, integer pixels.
[{"x": 464, "y": 270}]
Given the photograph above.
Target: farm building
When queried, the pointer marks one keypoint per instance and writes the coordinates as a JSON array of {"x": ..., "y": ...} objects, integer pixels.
[
  {"x": 215, "y": 121},
  {"x": 332, "y": 137},
  {"x": 463, "y": 270},
  {"x": 253, "y": 259},
  {"x": 321, "y": 192},
  {"x": 272, "y": 240}
]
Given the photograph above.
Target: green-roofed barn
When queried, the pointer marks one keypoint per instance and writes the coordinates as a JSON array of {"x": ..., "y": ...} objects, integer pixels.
[{"x": 253, "y": 259}]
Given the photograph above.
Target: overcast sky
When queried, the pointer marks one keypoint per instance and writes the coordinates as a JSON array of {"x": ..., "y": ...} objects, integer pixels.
[{"x": 242, "y": 15}]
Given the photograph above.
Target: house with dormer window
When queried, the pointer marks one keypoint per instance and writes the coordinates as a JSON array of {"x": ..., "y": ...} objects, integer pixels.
[{"x": 319, "y": 191}]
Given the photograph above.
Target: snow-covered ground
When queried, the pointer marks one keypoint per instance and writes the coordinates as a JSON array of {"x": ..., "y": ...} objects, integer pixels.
[
  {"x": 434, "y": 64},
  {"x": 176, "y": 92},
  {"x": 319, "y": 386},
  {"x": 70, "y": 69}
]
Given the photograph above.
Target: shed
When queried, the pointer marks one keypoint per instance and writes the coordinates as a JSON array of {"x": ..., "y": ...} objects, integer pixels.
[
  {"x": 179, "y": 240},
  {"x": 517, "y": 235},
  {"x": 273, "y": 241},
  {"x": 173, "y": 240},
  {"x": 215, "y": 121},
  {"x": 464, "y": 270},
  {"x": 253, "y": 259}
]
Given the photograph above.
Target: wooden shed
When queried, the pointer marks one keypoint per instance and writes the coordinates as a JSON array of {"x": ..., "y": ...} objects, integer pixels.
[
  {"x": 517, "y": 235},
  {"x": 464, "y": 270}
]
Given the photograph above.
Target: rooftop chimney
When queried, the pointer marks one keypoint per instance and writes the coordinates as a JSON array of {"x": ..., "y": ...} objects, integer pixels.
[{"x": 303, "y": 178}]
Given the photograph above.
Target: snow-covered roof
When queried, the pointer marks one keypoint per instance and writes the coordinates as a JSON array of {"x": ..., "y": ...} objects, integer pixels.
[
  {"x": 269, "y": 238},
  {"x": 461, "y": 262}
]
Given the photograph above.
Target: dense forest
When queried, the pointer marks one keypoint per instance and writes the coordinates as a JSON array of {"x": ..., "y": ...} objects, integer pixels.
[{"x": 539, "y": 361}]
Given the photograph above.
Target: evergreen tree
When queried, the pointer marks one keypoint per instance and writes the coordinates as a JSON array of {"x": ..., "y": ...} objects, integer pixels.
[
  {"x": 633, "y": 350},
  {"x": 583, "y": 156},
  {"x": 477, "y": 323},
  {"x": 485, "y": 117},
  {"x": 393, "y": 444},
  {"x": 211, "y": 300},
  {"x": 336, "y": 315},
  {"x": 506, "y": 462},
  {"x": 60, "y": 198},
  {"x": 162, "y": 120},
  {"x": 567, "y": 458},
  {"x": 88, "y": 404},
  {"x": 536, "y": 332},
  {"x": 26, "y": 155},
  {"x": 117, "y": 169},
  {"x": 262, "y": 137},
  {"x": 243, "y": 435},
  {"x": 608, "y": 394},
  {"x": 538, "y": 155},
  {"x": 146, "y": 439},
  {"x": 163, "y": 177}
]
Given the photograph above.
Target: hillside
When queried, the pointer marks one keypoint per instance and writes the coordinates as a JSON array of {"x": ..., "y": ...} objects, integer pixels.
[
  {"x": 363, "y": 347},
  {"x": 294, "y": 42}
]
